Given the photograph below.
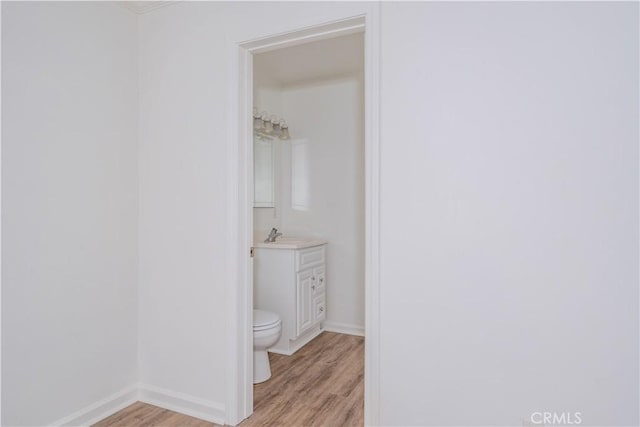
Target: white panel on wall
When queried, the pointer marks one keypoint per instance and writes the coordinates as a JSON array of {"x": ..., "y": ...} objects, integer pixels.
[{"x": 301, "y": 197}]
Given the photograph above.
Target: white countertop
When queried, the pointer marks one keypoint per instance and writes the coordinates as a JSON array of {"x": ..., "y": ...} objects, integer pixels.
[{"x": 291, "y": 243}]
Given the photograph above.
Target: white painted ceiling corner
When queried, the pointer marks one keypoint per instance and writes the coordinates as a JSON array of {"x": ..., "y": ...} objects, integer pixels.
[{"x": 141, "y": 7}]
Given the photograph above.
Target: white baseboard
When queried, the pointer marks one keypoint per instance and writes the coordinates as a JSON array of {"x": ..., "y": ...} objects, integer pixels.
[
  {"x": 167, "y": 399},
  {"x": 101, "y": 409},
  {"x": 183, "y": 403},
  {"x": 297, "y": 344},
  {"x": 343, "y": 328}
]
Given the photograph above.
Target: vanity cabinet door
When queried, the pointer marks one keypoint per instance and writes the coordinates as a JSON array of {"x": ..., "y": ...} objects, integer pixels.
[
  {"x": 319, "y": 280},
  {"x": 304, "y": 301}
]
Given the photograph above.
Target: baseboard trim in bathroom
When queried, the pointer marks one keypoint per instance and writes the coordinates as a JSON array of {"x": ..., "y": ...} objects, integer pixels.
[
  {"x": 183, "y": 403},
  {"x": 101, "y": 409},
  {"x": 343, "y": 328},
  {"x": 297, "y": 344}
]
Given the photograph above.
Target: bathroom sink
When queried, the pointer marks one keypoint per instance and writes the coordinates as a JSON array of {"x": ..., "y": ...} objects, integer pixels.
[{"x": 291, "y": 243}]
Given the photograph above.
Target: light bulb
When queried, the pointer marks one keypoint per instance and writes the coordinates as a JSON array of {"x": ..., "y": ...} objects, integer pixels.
[
  {"x": 263, "y": 119},
  {"x": 285, "y": 132}
]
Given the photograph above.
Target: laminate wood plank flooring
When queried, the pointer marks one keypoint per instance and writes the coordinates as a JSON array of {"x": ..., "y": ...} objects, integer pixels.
[
  {"x": 144, "y": 415},
  {"x": 322, "y": 384}
]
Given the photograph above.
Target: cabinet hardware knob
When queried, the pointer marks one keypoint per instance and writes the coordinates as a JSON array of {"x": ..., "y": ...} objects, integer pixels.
[
  {"x": 321, "y": 309},
  {"x": 321, "y": 279},
  {"x": 313, "y": 287},
  {"x": 313, "y": 277}
]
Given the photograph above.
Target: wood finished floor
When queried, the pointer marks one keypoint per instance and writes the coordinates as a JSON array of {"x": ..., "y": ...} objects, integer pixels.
[
  {"x": 142, "y": 414},
  {"x": 322, "y": 384}
]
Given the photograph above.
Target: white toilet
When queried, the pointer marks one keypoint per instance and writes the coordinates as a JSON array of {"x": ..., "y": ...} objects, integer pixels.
[{"x": 266, "y": 332}]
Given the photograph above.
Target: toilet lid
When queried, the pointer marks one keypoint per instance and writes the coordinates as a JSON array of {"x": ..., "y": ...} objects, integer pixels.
[{"x": 264, "y": 319}]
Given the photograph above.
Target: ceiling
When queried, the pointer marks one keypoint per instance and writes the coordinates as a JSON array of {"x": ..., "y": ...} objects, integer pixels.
[
  {"x": 141, "y": 7},
  {"x": 319, "y": 60}
]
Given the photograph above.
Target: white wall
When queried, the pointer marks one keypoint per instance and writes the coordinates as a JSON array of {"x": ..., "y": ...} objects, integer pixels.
[
  {"x": 182, "y": 212},
  {"x": 509, "y": 205},
  {"x": 69, "y": 198},
  {"x": 186, "y": 60},
  {"x": 509, "y": 214},
  {"x": 326, "y": 119}
]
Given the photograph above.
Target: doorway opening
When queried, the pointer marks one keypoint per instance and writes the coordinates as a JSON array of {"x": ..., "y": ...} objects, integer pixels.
[{"x": 307, "y": 166}]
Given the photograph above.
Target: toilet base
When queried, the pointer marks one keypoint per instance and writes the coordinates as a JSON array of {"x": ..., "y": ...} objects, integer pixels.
[{"x": 261, "y": 368}]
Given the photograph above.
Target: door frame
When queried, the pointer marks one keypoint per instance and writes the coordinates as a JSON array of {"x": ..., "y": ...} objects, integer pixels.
[{"x": 239, "y": 287}]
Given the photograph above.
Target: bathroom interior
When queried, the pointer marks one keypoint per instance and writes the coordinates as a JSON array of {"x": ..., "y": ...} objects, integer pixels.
[{"x": 308, "y": 211}]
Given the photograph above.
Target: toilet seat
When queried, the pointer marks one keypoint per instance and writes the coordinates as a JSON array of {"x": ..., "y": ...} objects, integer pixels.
[{"x": 263, "y": 320}]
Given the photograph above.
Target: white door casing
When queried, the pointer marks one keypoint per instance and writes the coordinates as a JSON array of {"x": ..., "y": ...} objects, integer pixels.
[{"x": 239, "y": 296}]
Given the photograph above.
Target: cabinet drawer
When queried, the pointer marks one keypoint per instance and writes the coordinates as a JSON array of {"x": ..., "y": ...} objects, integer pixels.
[
  {"x": 319, "y": 308},
  {"x": 309, "y": 257}
]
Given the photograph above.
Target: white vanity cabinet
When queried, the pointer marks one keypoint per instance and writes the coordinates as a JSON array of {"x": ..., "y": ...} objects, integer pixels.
[{"x": 290, "y": 280}]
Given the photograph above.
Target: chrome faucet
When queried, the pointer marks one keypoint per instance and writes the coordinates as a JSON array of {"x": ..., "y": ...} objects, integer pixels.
[{"x": 273, "y": 235}]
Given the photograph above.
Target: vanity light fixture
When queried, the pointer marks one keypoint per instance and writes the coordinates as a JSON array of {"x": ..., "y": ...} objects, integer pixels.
[
  {"x": 257, "y": 121},
  {"x": 267, "y": 127}
]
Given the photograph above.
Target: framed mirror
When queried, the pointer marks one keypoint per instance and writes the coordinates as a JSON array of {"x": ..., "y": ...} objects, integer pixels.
[{"x": 263, "y": 172}]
